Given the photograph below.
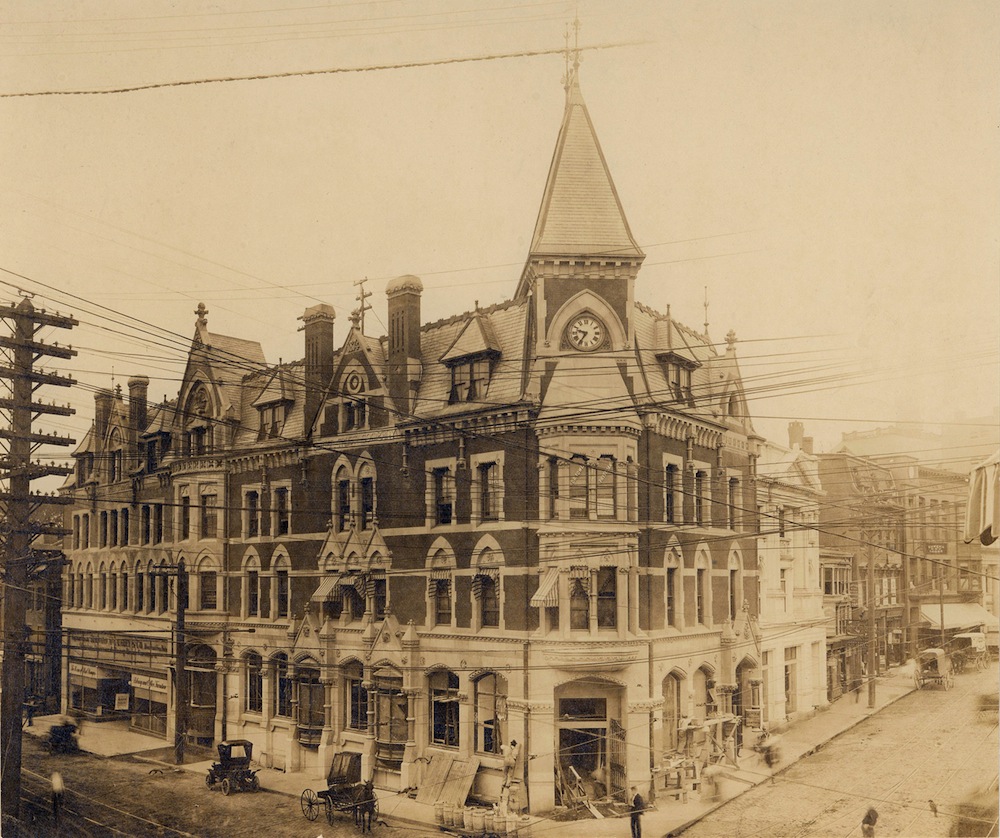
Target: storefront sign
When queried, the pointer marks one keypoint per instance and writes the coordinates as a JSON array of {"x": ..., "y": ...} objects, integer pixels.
[
  {"x": 148, "y": 682},
  {"x": 121, "y": 701},
  {"x": 104, "y": 642},
  {"x": 751, "y": 718},
  {"x": 936, "y": 548},
  {"x": 85, "y": 670}
]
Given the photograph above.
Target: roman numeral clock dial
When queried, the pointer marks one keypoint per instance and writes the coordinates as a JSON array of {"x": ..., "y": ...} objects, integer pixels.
[{"x": 585, "y": 333}]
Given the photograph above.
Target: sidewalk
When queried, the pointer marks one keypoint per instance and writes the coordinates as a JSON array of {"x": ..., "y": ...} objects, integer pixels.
[{"x": 667, "y": 817}]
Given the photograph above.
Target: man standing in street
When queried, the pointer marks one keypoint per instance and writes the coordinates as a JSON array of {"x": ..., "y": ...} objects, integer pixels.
[{"x": 638, "y": 805}]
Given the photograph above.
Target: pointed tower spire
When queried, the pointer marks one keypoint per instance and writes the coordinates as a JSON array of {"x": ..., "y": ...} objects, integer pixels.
[{"x": 581, "y": 214}]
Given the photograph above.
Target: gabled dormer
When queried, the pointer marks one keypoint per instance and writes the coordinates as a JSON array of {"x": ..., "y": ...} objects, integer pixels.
[
  {"x": 673, "y": 349},
  {"x": 208, "y": 404},
  {"x": 356, "y": 398},
  {"x": 272, "y": 405},
  {"x": 471, "y": 360}
]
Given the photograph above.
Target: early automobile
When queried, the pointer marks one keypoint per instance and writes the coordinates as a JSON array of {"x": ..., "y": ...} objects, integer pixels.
[
  {"x": 233, "y": 768},
  {"x": 933, "y": 666}
]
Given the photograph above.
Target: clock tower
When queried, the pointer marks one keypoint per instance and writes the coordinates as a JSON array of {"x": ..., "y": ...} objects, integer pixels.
[{"x": 583, "y": 259}]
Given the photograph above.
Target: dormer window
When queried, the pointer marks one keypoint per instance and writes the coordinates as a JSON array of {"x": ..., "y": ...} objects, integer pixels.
[
  {"x": 272, "y": 417},
  {"x": 469, "y": 380},
  {"x": 680, "y": 381}
]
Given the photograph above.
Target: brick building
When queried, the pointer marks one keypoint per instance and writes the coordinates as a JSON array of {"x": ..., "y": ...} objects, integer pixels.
[{"x": 533, "y": 521}]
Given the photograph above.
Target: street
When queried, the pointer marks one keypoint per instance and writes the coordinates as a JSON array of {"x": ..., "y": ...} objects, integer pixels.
[
  {"x": 930, "y": 745},
  {"x": 125, "y": 796}
]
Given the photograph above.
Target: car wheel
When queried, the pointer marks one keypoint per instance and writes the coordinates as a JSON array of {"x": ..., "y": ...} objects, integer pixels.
[
  {"x": 254, "y": 783},
  {"x": 209, "y": 780},
  {"x": 227, "y": 786}
]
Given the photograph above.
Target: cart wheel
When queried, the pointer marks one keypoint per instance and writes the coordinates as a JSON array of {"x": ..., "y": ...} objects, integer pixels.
[
  {"x": 227, "y": 786},
  {"x": 209, "y": 780},
  {"x": 328, "y": 804},
  {"x": 310, "y": 804},
  {"x": 255, "y": 783}
]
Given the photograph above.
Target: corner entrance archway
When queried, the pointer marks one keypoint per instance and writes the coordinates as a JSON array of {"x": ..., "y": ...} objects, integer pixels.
[{"x": 590, "y": 740}]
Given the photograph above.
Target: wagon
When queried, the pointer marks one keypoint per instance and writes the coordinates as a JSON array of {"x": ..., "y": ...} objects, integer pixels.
[
  {"x": 344, "y": 794},
  {"x": 233, "y": 768},
  {"x": 969, "y": 649},
  {"x": 933, "y": 666}
]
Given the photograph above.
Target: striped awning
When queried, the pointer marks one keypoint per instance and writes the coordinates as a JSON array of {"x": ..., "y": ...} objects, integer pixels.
[
  {"x": 492, "y": 573},
  {"x": 326, "y": 586},
  {"x": 440, "y": 575},
  {"x": 547, "y": 595},
  {"x": 581, "y": 574}
]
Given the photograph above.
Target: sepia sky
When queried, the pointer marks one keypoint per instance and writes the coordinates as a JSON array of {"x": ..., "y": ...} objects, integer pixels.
[{"x": 827, "y": 172}]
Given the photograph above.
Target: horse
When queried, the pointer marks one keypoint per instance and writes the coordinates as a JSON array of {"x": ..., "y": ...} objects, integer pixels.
[{"x": 365, "y": 805}]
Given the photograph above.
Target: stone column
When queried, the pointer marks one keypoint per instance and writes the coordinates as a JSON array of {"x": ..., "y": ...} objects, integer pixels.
[
  {"x": 411, "y": 772},
  {"x": 543, "y": 740}
]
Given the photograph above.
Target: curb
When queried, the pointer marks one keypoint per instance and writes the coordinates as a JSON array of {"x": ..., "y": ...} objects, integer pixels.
[{"x": 677, "y": 831}]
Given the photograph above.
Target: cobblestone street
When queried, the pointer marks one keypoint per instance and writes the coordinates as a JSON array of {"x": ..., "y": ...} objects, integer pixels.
[{"x": 930, "y": 745}]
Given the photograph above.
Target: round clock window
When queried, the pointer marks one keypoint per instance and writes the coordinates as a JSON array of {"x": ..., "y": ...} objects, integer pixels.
[
  {"x": 586, "y": 333},
  {"x": 354, "y": 383}
]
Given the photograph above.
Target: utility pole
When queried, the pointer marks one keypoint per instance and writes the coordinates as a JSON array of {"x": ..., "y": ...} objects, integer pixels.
[
  {"x": 17, "y": 528},
  {"x": 181, "y": 697}
]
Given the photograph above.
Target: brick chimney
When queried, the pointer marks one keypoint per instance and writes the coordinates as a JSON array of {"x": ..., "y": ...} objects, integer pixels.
[
  {"x": 403, "y": 294},
  {"x": 795, "y": 434},
  {"x": 102, "y": 413},
  {"x": 318, "y": 325},
  {"x": 138, "y": 403}
]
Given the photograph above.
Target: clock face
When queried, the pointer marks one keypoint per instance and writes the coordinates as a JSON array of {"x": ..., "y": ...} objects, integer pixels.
[{"x": 586, "y": 332}]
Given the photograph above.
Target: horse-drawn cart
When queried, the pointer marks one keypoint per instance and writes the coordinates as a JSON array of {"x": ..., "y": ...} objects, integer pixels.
[
  {"x": 345, "y": 793},
  {"x": 933, "y": 666}
]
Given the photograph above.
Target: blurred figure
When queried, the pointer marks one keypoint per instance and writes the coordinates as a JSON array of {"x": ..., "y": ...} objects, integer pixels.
[
  {"x": 58, "y": 789},
  {"x": 868, "y": 823}
]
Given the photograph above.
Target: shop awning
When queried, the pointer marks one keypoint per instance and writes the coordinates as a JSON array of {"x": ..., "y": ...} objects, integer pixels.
[
  {"x": 957, "y": 615},
  {"x": 547, "y": 595},
  {"x": 982, "y": 516}
]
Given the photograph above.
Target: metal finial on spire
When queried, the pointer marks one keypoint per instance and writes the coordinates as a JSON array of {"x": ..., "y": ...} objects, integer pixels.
[
  {"x": 706, "y": 309},
  {"x": 570, "y": 75},
  {"x": 201, "y": 311},
  {"x": 731, "y": 338},
  {"x": 361, "y": 298}
]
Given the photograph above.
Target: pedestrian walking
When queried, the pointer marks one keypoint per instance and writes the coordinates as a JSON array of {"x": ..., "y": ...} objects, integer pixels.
[
  {"x": 638, "y": 806},
  {"x": 868, "y": 823},
  {"x": 58, "y": 789}
]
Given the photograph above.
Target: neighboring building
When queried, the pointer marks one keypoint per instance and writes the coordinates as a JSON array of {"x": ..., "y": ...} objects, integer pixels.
[
  {"x": 533, "y": 522},
  {"x": 793, "y": 625},
  {"x": 946, "y": 578},
  {"x": 861, "y": 522}
]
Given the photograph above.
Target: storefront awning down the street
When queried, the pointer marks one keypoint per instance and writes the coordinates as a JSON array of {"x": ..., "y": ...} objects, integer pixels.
[
  {"x": 982, "y": 517},
  {"x": 326, "y": 586},
  {"x": 957, "y": 615}
]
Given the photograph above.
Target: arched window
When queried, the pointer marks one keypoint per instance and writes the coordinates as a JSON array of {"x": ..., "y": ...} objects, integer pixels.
[
  {"x": 672, "y": 691},
  {"x": 281, "y": 593},
  {"x": 281, "y": 687},
  {"x": 342, "y": 488},
  {"x": 444, "y": 708},
  {"x": 366, "y": 492},
  {"x": 311, "y": 700},
  {"x": 253, "y": 692},
  {"x": 208, "y": 580},
  {"x": 579, "y": 606},
  {"x": 489, "y": 602},
  {"x": 355, "y": 697},
  {"x": 251, "y": 587},
  {"x": 491, "y": 712}
]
